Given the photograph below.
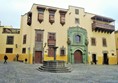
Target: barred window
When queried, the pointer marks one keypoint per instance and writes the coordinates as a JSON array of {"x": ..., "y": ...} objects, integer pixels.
[
  {"x": 10, "y": 40},
  {"x": 76, "y": 11},
  {"x": 39, "y": 37},
  {"x": 9, "y": 50},
  {"x": 24, "y": 39},
  {"x": 76, "y": 20},
  {"x": 93, "y": 41},
  {"x": 104, "y": 42}
]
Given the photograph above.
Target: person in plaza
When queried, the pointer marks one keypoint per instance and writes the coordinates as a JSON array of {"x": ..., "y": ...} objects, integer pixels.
[
  {"x": 17, "y": 57},
  {"x": 5, "y": 59}
]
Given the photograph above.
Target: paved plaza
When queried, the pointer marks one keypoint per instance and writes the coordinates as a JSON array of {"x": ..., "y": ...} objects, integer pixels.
[{"x": 16, "y": 72}]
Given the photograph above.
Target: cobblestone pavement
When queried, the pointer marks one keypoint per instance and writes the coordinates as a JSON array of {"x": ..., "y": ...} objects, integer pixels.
[{"x": 15, "y": 72}]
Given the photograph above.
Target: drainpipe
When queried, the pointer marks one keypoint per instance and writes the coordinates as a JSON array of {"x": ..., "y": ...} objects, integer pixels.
[{"x": 29, "y": 55}]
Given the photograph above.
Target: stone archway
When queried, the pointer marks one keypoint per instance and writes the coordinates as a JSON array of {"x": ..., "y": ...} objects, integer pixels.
[
  {"x": 77, "y": 45},
  {"x": 78, "y": 56}
]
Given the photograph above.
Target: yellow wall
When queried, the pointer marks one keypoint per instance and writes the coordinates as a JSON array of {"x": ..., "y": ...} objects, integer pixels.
[
  {"x": 116, "y": 42},
  {"x": 112, "y": 60}
]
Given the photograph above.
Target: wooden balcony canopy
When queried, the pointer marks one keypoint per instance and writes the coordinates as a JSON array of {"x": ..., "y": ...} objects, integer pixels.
[
  {"x": 63, "y": 11},
  {"x": 41, "y": 7},
  {"x": 52, "y": 9},
  {"x": 97, "y": 26},
  {"x": 101, "y": 18}
]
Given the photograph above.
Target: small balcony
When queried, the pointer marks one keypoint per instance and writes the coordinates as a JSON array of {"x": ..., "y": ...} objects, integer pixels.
[
  {"x": 51, "y": 42},
  {"x": 51, "y": 19},
  {"x": 62, "y": 20},
  {"x": 11, "y": 31},
  {"x": 29, "y": 18},
  {"x": 103, "y": 27},
  {"x": 40, "y": 17}
]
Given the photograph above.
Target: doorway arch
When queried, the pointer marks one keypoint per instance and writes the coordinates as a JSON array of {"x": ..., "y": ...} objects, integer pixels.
[{"x": 78, "y": 56}]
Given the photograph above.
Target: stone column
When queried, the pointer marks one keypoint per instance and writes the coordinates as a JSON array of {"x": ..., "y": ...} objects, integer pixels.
[{"x": 55, "y": 53}]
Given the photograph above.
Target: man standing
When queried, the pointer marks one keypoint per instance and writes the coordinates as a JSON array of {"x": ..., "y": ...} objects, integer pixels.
[
  {"x": 17, "y": 57},
  {"x": 5, "y": 59}
]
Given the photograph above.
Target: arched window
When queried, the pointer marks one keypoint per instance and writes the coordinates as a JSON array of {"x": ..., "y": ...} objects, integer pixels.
[{"x": 77, "y": 38}]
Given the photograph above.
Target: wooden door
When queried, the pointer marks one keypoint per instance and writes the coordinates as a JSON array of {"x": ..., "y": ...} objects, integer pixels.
[
  {"x": 105, "y": 59},
  {"x": 94, "y": 58},
  {"x": 78, "y": 56},
  {"x": 38, "y": 57}
]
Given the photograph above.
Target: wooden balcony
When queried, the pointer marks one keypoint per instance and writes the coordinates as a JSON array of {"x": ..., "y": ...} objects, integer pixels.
[
  {"x": 103, "y": 27},
  {"x": 40, "y": 17},
  {"x": 11, "y": 31},
  {"x": 29, "y": 18},
  {"x": 62, "y": 16},
  {"x": 51, "y": 19},
  {"x": 62, "y": 20},
  {"x": 51, "y": 42}
]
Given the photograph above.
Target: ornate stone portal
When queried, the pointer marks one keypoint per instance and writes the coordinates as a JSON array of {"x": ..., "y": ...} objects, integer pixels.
[
  {"x": 77, "y": 45},
  {"x": 55, "y": 66}
]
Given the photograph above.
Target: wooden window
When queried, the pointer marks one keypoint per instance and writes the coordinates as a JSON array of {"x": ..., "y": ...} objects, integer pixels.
[
  {"x": 23, "y": 50},
  {"x": 10, "y": 40},
  {"x": 9, "y": 50},
  {"x": 41, "y": 14},
  {"x": 51, "y": 39},
  {"x": 29, "y": 18},
  {"x": 38, "y": 37},
  {"x": 76, "y": 11},
  {"x": 76, "y": 20},
  {"x": 93, "y": 41},
  {"x": 51, "y": 16},
  {"x": 62, "y": 18},
  {"x": 24, "y": 39},
  {"x": 50, "y": 52},
  {"x": 104, "y": 42}
]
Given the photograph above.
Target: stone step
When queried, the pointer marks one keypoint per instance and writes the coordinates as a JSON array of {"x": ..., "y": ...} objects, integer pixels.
[
  {"x": 54, "y": 66},
  {"x": 46, "y": 68},
  {"x": 55, "y": 70}
]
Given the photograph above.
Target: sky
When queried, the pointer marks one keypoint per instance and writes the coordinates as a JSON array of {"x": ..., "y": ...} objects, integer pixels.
[{"x": 11, "y": 10}]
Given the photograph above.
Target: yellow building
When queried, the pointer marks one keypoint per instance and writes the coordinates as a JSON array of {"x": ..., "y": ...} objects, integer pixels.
[
  {"x": 116, "y": 38},
  {"x": 81, "y": 37},
  {"x": 9, "y": 42}
]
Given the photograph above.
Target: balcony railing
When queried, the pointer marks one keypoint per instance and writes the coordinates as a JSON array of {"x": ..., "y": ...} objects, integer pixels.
[
  {"x": 51, "y": 42},
  {"x": 11, "y": 31},
  {"x": 102, "y": 26}
]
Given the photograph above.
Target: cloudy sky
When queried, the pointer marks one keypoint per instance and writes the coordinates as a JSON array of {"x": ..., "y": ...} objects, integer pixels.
[{"x": 11, "y": 10}]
